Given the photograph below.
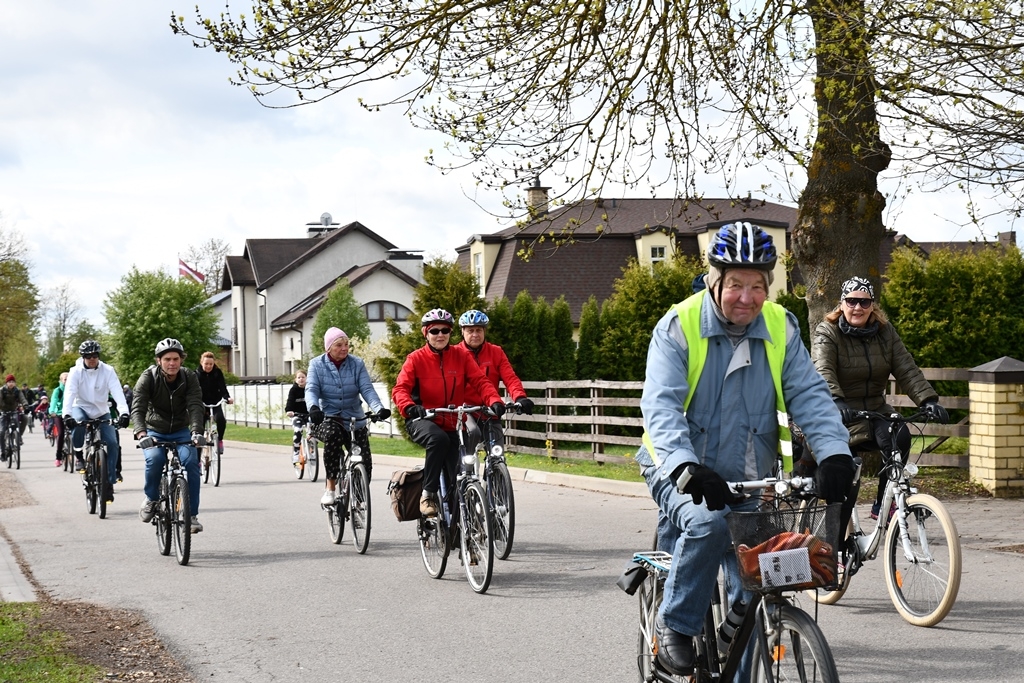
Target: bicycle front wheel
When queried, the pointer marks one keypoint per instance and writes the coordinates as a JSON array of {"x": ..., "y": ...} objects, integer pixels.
[
  {"x": 312, "y": 459},
  {"x": 181, "y": 521},
  {"x": 503, "y": 508},
  {"x": 477, "y": 538},
  {"x": 359, "y": 508},
  {"x": 100, "y": 454},
  {"x": 205, "y": 455},
  {"x": 16, "y": 455},
  {"x": 89, "y": 482},
  {"x": 336, "y": 520},
  {"x": 215, "y": 461},
  {"x": 923, "y": 588},
  {"x": 162, "y": 519},
  {"x": 797, "y": 650}
]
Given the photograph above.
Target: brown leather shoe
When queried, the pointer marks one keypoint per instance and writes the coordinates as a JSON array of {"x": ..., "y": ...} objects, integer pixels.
[{"x": 428, "y": 507}]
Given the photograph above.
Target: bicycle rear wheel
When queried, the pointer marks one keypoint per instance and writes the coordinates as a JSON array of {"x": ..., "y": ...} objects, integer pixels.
[
  {"x": 336, "y": 518},
  {"x": 924, "y": 589},
  {"x": 312, "y": 459},
  {"x": 649, "y": 596},
  {"x": 477, "y": 539},
  {"x": 162, "y": 519},
  {"x": 502, "y": 501},
  {"x": 359, "y": 508},
  {"x": 181, "y": 520},
  {"x": 205, "y": 456},
  {"x": 433, "y": 536},
  {"x": 798, "y": 650}
]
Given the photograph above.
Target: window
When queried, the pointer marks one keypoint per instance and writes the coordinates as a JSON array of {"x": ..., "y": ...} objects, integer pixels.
[
  {"x": 478, "y": 270},
  {"x": 263, "y": 317},
  {"x": 379, "y": 311},
  {"x": 657, "y": 254}
]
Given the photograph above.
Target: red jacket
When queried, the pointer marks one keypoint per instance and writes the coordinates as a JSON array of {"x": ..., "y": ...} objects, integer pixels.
[
  {"x": 437, "y": 379},
  {"x": 493, "y": 361}
]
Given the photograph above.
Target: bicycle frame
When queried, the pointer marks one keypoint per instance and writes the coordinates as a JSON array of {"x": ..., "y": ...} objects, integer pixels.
[{"x": 467, "y": 471}]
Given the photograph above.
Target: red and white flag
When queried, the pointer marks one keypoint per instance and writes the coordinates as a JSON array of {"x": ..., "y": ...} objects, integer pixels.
[{"x": 184, "y": 270}]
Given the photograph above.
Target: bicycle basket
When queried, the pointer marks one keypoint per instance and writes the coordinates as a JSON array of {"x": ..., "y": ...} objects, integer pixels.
[{"x": 786, "y": 548}]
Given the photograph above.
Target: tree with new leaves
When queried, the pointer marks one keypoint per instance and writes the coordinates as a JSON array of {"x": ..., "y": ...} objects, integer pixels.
[
  {"x": 150, "y": 306},
  {"x": 827, "y": 95},
  {"x": 340, "y": 309},
  {"x": 208, "y": 259},
  {"x": 19, "y": 298}
]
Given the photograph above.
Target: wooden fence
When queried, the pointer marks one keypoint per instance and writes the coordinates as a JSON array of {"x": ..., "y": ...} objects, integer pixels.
[{"x": 573, "y": 419}]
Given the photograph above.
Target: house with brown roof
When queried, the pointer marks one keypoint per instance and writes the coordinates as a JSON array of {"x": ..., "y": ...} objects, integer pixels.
[
  {"x": 278, "y": 285},
  {"x": 607, "y": 234}
]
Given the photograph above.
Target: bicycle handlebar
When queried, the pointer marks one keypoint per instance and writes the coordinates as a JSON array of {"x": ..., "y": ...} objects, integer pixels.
[
  {"x": 739, "y": 488},
  {"x": 214, "y": 405},
  {"x": 919, "y": 416}
]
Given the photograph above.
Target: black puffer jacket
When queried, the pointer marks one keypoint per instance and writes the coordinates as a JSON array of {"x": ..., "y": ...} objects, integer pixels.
[
  {"x": 166, "y": 408},
  {"x": 857, "y": 369}
]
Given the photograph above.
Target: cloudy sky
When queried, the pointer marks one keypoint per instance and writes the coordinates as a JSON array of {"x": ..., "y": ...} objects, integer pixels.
[{"x": 121, "y": 145}]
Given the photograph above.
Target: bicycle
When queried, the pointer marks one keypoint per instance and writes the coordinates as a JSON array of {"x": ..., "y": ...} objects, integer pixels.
[
  {"x": 309, "y": 454},
  {"x": 95, "y": 474},
  {"x": 463, "y": 514},
  {"x": 49, "y": 429},
  {"x": 11, "y": 435},
  {"x": 922, "y": 567},
  {"x": 788, "y": 644},
  {"x": 211, "y": 459},
  {"x": 69, "y": 453},
  {"x": 173, "y": 518},
  {"x": 493, "y": 471},
  {"x": 353, "y": 500}
]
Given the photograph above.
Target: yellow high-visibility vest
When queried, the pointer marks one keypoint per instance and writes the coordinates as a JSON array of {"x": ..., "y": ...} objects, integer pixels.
[{"x": 688, "y": 312}]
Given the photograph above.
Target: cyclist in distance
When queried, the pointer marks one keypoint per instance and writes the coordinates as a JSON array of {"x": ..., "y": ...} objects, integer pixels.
[
  {"x": 334, "y": 384},
  {"x": 492, "y": 360},
  {"x": 855, "y": 349},
  {"x": 295, "y": 408},
  {"x": 438, "y": 375},
  {"x": 12, "y": 400},
  {"x": 57, "y": 409},
  {"x": 168, "y": 406},
  {"x": 721, "y": 365},
  {"x": 211, "y": 379},
  {"x": 89, "y": 384}
]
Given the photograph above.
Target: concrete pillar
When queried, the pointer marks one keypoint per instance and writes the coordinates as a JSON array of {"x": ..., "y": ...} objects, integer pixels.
[{"x": 997, "y": 426}]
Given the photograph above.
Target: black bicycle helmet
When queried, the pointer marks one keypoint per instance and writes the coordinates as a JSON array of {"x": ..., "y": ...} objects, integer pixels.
[
  {"x": 742, "y": 245},
  {"x": 89, "y": 346},
  {"x": 437, "y": 315},
  {"x": 169, "y": 344}
]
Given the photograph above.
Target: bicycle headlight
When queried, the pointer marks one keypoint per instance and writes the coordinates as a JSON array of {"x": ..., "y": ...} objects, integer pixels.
[
  {"x": 497, "y": 450},
  {"x": 469, "y": 459},
  {"x": 910, "y": 469}
]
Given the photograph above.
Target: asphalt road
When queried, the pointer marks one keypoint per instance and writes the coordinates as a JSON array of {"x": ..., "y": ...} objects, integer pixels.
[{"x": 268, "y": 597}]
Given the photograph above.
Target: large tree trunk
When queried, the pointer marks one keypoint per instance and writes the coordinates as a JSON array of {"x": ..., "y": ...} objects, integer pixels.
[{"x": 839, "y": 226}]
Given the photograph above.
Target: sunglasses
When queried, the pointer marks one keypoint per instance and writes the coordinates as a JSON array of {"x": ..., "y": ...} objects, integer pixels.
[
  {"x": 858, "y": 301},
  {"x": 91, "y": 355},
  {"x": 439, "y": 330}
]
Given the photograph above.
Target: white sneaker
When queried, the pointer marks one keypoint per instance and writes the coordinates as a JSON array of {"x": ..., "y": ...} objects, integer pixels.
[{"x": 328, "y": 497}]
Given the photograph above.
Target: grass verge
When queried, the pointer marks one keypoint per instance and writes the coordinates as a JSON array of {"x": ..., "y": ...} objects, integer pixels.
[{"x": 31, "y": 654}]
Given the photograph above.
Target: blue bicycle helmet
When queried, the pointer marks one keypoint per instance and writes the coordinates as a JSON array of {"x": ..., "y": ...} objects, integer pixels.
[
  {"x": 742, "y": 245},
  {"x": 473, "y": 318}
]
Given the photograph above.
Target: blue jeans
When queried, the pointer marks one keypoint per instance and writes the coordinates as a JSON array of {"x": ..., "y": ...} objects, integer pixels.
[
  {"x": 157, "y": 457},
  {"x": 699, "y": 542},
  {"x": 107, "y": 433}
]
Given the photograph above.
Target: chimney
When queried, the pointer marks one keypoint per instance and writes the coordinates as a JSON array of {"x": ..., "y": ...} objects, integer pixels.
[
  {"x": 537, "y": 198},
  {"x": 322, "y": 228},
  {"x": 1008, "y": 239}
]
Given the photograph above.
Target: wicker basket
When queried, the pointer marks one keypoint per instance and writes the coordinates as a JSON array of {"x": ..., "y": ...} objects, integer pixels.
[{"x": 786, "y": 548}]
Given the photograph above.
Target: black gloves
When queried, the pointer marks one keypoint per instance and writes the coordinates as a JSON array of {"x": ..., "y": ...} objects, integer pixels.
[
  {"x": 935, "y": 412},
  {"x": 147, "y": 442},
  {"x": 415, "y": 412},
  {"x": 198, "y": 439},
  {"x": 122, "y": 421},
  {"x": 383, "y": 414},
  {"x": 834, "y": 477},
  {"x": 706, "y": 484},
  {"x": 70, "y": 422},
  {"x": 316, "y": 416},
  {"x": 525, "y": 405},
  {"x": 498, "y": 408},
  {"x": 846, "y": 411}
]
